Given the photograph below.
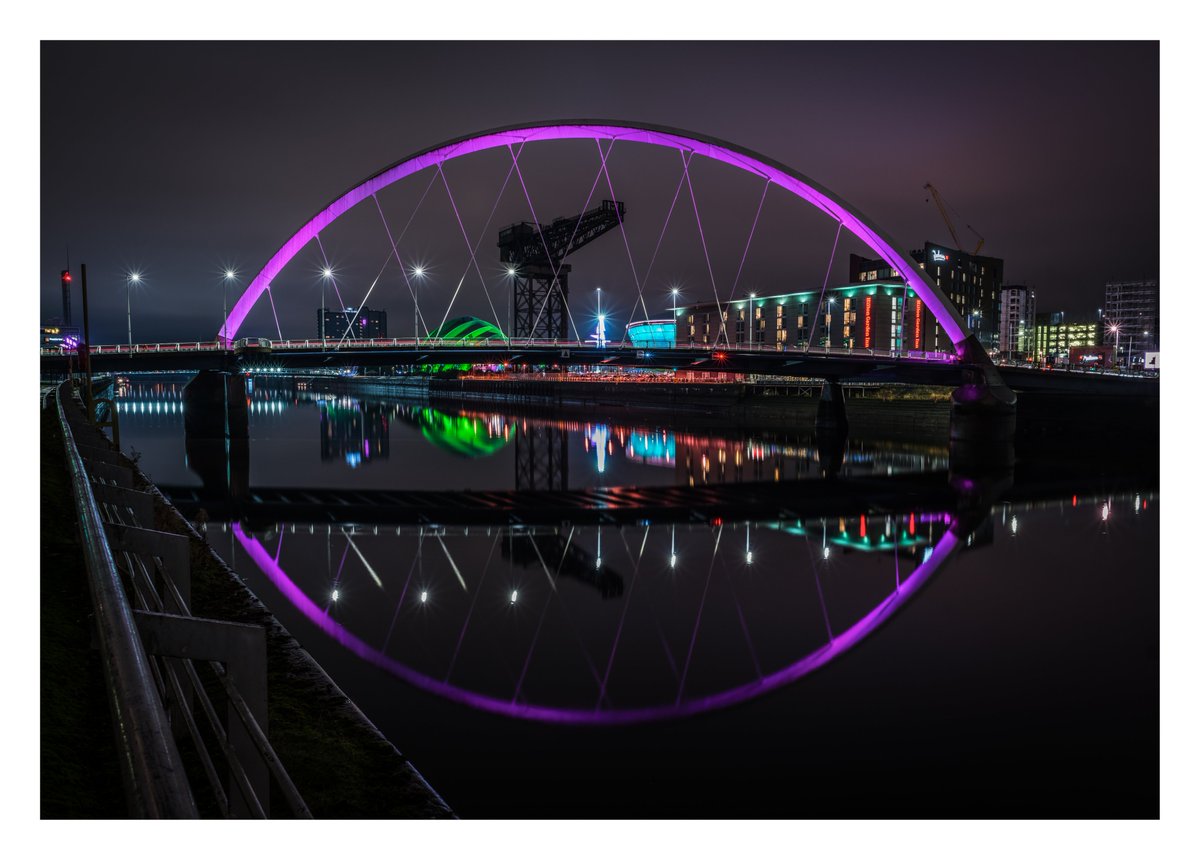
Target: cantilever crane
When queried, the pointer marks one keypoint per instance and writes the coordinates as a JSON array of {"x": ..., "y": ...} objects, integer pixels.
[
  {"x": 937, "y": 198},
  {"x": 534, "y": 255}
]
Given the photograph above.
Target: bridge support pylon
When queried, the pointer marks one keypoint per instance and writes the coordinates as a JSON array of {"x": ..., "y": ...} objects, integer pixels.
[
  {"x": 831, "y": 408},
  {"x": 983, "y": 408},
  {"x": 216, "y": 422}
]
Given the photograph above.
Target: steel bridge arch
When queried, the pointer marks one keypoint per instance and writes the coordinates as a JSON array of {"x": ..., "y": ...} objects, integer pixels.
[{"x": 966, "y": 344}]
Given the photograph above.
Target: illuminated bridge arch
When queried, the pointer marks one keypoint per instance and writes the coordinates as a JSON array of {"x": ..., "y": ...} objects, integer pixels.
[{"x": 686, "y": 142}]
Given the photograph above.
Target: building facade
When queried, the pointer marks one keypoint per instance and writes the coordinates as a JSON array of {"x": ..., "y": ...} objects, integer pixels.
[
  {"x": 972, "y": 284},
  {"x": 878, "y": 315},
  {"x": 1018, "y": 307},
  {"x": 333, "y": 324},
  {"x": 1131, "y": 320},
  {"x": 1055, "y": 337}
]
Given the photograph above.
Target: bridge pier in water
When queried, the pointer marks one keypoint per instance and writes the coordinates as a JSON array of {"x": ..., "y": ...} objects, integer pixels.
[{"x": 216, "y": 421}]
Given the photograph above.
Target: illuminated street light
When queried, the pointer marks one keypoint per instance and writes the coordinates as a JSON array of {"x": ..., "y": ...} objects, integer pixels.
[
  {"x": 512, "y": 598},
  {"x": 335, "y": 595},
  {"x": 418, "y": 272},
  {"x": 230, "y": 275},
  {"x": 134, "y": 278},
  {"x": 424, "y": 596}
]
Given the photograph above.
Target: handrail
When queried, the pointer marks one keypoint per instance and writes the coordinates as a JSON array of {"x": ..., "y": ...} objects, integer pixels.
[{"x": 155, "y": 783}]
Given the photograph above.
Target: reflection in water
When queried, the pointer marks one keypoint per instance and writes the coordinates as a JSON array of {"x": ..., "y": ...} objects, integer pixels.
[
  {"x": 353, "y": 431},
  {"x": 360, "y": 430},
  {"x": 598, "y": 624},
  {"x": 615, "y": 625}
]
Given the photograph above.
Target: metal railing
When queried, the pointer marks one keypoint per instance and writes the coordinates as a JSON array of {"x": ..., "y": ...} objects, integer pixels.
[
  {"x": 155, "y": 644},
  {"x": 155, "y": 783}
]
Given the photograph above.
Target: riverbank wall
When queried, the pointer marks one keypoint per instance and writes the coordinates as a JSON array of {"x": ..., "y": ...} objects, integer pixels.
[{"x": 342, "y": 765}]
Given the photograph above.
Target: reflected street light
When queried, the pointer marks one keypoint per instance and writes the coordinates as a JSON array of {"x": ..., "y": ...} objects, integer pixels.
[{"x": 134, "y": 278}]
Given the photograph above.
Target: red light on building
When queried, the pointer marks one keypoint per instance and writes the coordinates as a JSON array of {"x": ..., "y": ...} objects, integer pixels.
[
  {"x": 862, "y": 525},
  {"x": 912, "y": 524},
  {"x": 867, "y": 324},
  {"x": 917, "y": 314}
]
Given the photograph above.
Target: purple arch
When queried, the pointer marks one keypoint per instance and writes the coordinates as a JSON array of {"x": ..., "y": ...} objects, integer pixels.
[
  {"x": 942, "y": 552},
  {"x": 853, "y": 220}
]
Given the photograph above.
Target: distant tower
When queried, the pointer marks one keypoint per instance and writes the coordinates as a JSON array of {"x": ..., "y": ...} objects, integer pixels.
[{"x": 65, "y": 277}]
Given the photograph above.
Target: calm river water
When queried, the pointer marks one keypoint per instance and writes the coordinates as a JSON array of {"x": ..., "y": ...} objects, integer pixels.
[{"x": 878, "y": 660}]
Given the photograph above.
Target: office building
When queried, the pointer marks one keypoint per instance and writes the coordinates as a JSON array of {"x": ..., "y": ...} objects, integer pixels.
[
  {"x": 1055, "y": 337},
  {"x": 1018, "y": 306},
  {"x": 1131, "y": 320},
  {"x": 366, "y": 323}
]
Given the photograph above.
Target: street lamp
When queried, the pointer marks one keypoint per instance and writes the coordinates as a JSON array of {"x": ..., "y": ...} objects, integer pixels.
[
  {"x": 599, "y": 321},
  {"x": 134, "y": 278},
  {"x": 674, "y": 302},
  {"x": 323, "y": 332},
  {"x": 230, "y": 274},
  {"x": 418, "y": 272},
  {"x": 1115, "y": 331},
  {"x": 512, "y": 299}
]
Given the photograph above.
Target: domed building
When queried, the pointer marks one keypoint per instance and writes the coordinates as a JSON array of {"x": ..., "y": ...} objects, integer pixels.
[{"x": 467, "y": 328}]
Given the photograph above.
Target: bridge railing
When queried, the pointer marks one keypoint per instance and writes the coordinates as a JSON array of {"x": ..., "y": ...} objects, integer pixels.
[
  {"x": 152, "y": 652},
  {"x": 574, "y": 346}
]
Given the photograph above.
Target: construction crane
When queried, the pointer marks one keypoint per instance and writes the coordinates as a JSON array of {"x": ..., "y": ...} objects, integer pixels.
[
  {"x": 534, "y": 254},
  {"x": 937, "y": 198}
]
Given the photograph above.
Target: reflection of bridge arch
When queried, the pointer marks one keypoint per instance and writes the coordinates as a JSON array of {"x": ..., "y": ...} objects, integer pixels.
[
  {"x": 936, "y": 558},
  {"x": 685, "y": 142}
]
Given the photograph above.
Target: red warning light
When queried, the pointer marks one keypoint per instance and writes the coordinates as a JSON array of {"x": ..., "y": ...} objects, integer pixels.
[{"x": 66, "y": 277}]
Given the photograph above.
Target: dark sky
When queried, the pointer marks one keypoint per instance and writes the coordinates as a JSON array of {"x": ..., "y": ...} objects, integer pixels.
[{"x": 175, "y": 159}]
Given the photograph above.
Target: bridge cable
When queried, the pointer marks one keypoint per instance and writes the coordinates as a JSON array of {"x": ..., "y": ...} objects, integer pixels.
[
  {"x": 624, "y": 237},
  {"x": 662, "y": 233},
  {"x": 704, "y": 245},
  {"x": 821, "y": 301},
  {"x": 612, "y": 655},
  {"x": 467, "y": 239},
  {"x": 699, "y": 613},
  {"x": 554, "y": 269},
  {"x": 396, "y": 249},
  {"x": 333, "y": 275},
  {"x": 471, "y": 609},
  {"x": 271, "y": 299},
  {"x": 746, "y": 250},
  {"x": 574, "y": 230}
]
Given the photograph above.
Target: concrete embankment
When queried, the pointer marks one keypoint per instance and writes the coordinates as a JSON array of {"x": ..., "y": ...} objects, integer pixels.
[{"x": 341, "y": 764}]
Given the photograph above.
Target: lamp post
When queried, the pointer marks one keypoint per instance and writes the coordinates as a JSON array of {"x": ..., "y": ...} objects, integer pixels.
[
  {"x": 230, "y": 274},
  {"x": 326, "y": 275},
  {"x": 512, "y": 298},
  {"x": 134, "y": 278},
  {"x": 599, "y": 321},
  {"x": 418, "y": 272},
  {"x": 1115, "y": 330}
]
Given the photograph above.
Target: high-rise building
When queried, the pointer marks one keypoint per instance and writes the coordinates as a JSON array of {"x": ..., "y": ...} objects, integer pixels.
[
  {"x": 362, "y": 323},
  {"x": 1131, "y": 320},
  {"x": 1018, "y": 306},
  {"x": 972, "y": 284}
]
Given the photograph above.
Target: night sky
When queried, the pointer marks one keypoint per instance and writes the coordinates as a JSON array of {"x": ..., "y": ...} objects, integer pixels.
[{"x": 178, "y": 159}]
